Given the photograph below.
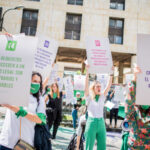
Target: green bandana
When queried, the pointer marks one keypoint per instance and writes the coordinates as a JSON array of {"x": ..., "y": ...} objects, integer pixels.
[
  {"x": 54, "y": 95},
  {"x": 145, "y": 107},
  {"x": 96, "y": 98},
  {"x": 34, "y": 88},
  {"x": 21, "y": 112},
  {"x": 48, "y": 90}
]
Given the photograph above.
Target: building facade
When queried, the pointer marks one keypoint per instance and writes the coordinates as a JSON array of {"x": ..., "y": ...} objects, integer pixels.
[{"x": 71, "y": 21}]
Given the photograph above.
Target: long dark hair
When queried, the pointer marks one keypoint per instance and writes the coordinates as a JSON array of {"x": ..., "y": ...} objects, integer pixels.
[{"x": 39, "y": 93}]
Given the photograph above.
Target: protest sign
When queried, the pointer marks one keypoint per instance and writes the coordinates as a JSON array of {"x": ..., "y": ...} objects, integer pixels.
[
  {"x": 103, "y": 79},
  {"x": 16, "y": 64},
  {"x": 45, "y": 56},
  {"x": 79, "y": 82},
  {"x": 68, "y": 89},
  {"x": 109, "y": 105},
  {"x": 119, "y": 93},
  {"x": 143, "y": 61},
  {"x": 99, "y": 55},
  {"x": 53, "y": 74},
  {"x": 60, "y": 83}
]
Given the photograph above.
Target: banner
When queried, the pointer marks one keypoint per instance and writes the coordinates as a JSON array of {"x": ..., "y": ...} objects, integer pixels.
[
  {"x": 68, "y": 89},
  {"x": 143, "y": 61},
  {"x": 79, "y": 82},
  {"x": 99, "y": 55},
  {"x": 103, "y": 79},
  {"x": 45, "y": 56},
  {"x": 16, "y": 64}
]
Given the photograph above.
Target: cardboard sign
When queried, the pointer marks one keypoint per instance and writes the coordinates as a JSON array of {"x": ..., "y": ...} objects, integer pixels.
[
  {"x": 79, "y": 82},
  {"x": 45, "y": 56},
  {"x": 68, "y": 89},
  {"x": 16, "y": 65},
  {"x": 143, "y": 61},
  {"x": 99, "y": 55}
]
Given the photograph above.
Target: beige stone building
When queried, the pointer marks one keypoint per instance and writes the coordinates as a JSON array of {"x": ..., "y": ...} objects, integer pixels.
[{"x": 70, "y": 21}]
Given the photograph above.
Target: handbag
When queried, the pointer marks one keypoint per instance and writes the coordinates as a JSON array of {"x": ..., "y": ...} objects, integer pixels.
[{"x": 22, "y": 145}]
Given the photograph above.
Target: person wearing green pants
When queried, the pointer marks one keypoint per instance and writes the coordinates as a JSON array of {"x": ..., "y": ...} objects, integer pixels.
[{"x": 95, "y": 126}]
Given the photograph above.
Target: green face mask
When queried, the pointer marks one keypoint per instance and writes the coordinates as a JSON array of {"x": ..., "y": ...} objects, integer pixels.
[
  {"x": 34, "y": 88},
  {"x": 54, "y": 95},
  {"x": 145, "y": 107}
]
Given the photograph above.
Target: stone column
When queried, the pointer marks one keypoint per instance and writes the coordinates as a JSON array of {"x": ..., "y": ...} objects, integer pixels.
[{"x": 120, "y": 72}]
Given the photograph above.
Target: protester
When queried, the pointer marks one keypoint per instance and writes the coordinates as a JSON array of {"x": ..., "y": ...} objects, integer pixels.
[
  {"x": 95, "y": 126},
  {"x": 75, "y": 115},
  {"x": 54, "y": 108},
  {"x": 34, "y": 113},
  {"x": 138, "y": 117},
  {"x": 114, "y": 110}
]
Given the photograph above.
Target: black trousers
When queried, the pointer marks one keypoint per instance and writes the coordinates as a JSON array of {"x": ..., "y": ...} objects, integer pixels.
[
  {"x": 113, "y": 112},
  {"x": 54, "y": 119}
]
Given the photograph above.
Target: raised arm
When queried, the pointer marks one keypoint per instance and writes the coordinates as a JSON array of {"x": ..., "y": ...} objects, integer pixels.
[
  {"x": 108, "y": 86},
  {"x": 87, "y": 82}
]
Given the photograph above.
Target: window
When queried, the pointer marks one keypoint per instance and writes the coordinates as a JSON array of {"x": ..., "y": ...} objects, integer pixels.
[
  {"x": 29, "y": 22},
  {"x": 0, "y": 19},
  {"x": 117, "y": 4},
  {"x": 73, "y": 26},
  {"x": 116, "y": 30},
  {"x": 75, "y": 2}
]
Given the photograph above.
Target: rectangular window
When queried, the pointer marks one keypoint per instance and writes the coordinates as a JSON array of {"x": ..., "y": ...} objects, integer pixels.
[
  {"x": 73, "y": 26},
  {"x": 29, "y": 22},
  {"x": 116, "y": 27},
  {"x": 75, "y": 2},
  {"x": 0, "y": 18},
  {"x": 117, "y": 4}
]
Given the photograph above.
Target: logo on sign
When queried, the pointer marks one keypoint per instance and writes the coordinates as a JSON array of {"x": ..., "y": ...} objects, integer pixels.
[
  {"x": 46, "y": 44},
  {"x": 11, "y": 45},
  {"x": 97, "y": 43}
]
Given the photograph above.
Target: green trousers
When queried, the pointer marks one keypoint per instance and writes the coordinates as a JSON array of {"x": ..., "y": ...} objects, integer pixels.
[{"x": 95, "y": 129}]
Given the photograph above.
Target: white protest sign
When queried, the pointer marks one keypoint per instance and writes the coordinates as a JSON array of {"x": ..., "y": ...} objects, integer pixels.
[
  {"x": 68, "y": 89},
  {"x": 143, "y": 61},
  {"x": 45, "y": 55},
  {"x": 119, "y": 93},
  {"x": 60, "y": 83},
  {"x": 79, "y": 82},
  {"x": 99, "y": 55},
  {"x": 129, "y": 78},
  {"x": 103, "y": 79},
  {"x": 16, "y": 64},
  {"x": 109, "y": 105},
  {"x": 53, "y": 75}
]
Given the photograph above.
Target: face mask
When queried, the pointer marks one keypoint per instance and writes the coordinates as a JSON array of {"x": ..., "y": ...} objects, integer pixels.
[
  {"x": 97, "y": 98},
  {"x": 54, "y": 95},
  {"x": 145, "y": 107},
  {"x": 34, "y": 88}
]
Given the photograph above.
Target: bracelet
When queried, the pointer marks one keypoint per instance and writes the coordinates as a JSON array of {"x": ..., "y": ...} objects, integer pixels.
[{"x": 21, "y": 112}]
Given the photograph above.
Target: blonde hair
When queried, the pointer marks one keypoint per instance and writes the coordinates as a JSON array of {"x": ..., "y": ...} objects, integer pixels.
[
  {"x": 51, "y": 92},
  {"x": 92, "y": 93}
]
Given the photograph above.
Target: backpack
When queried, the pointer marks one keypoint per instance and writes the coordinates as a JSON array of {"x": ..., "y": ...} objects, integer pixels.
[
  {"x": 42, "y": 138},
  {"x": 73, "y": 143}
]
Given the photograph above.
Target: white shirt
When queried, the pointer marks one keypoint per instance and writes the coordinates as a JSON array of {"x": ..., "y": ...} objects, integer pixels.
[
  {"x": 95, "y": 109},
  {"x": 11, "y": 128}
]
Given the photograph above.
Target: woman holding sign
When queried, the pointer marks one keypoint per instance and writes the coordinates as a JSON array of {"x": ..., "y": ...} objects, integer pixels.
[
  {"x": 23, "y": 117},
  {"x": 138, "y": 117},
  {"x": 95, "y": 127},
  {"x": 54, "y": 108}
]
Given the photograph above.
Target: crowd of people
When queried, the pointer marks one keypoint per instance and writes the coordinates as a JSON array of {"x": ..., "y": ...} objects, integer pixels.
[{"x": 45, "y": 109}]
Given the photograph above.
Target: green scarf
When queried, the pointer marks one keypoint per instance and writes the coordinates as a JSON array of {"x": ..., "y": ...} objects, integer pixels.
[
  {"x": 54, "y": 95},
  {"x": 97, "y": 98}
]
